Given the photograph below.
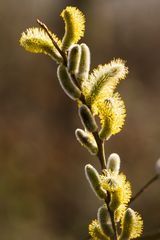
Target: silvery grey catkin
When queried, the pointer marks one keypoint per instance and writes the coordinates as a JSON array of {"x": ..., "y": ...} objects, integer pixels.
[
  {"x": 67, "y": 84},
  {"x": 84, "y": 65},
  {"x": 113, "y": 163},
  {"x": 85, "y": 140},
  {"x": 105, "y": 221},
  {"x": 87, "y": 118},
  {"x": 94, "y": 180},
  {"x": 74, "y": 55}
]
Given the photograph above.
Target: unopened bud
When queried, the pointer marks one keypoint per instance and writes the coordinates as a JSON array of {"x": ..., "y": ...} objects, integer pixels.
[
  {"x": 87, "y": 118},
  {"x": 87, "y": 141},
  {"x": 113, "y": 163},
  {"x": 105, "y": 221},
  {"x": 74, "y": 55},
  {"x": 84, "y": 65},
  {"x": 67, "y": 84},
  {"x": 93, "y": 177}
]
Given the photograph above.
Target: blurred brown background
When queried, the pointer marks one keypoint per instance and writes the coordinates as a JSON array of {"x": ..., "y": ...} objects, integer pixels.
[{"x": 43, "y": 191}]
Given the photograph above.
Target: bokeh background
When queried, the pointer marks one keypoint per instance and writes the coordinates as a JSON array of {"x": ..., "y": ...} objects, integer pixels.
[{"x": 43, "y": 191}]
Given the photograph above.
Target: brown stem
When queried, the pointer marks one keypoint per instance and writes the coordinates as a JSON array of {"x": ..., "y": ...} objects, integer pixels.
[
  {"x": 45, "y": 28},
  {"x": 113, "y": 224},
  {"x": 153, "y": 179},
  {"x": 111, "y": 213}
]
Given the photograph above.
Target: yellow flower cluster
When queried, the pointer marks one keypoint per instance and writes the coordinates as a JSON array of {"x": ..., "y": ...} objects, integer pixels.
[
  {"x": 119, "y": 189},
  {"x": 120, "y": 194}
]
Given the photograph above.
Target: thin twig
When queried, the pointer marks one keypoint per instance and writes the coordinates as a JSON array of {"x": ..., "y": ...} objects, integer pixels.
[
  {"x": 143, "y": 188},
  {"x": 45, "y": 28}
]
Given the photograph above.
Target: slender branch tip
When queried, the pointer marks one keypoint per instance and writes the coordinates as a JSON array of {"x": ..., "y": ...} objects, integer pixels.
[
  {"x": 144, "y": 187},
  {"x": 45, "y": 28}
]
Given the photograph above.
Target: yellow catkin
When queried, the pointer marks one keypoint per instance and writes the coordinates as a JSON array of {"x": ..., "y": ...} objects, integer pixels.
[
  {"x": 103, "y": 81},
  {"x": 131, "y": 225},
  {"x": 36, "y": 40},
  {"x": 74, "y": 26},
  {"x": 95, "y": 231},
  {"x": 112, "y": 114},
  {"x": 119, "y": 189}
]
